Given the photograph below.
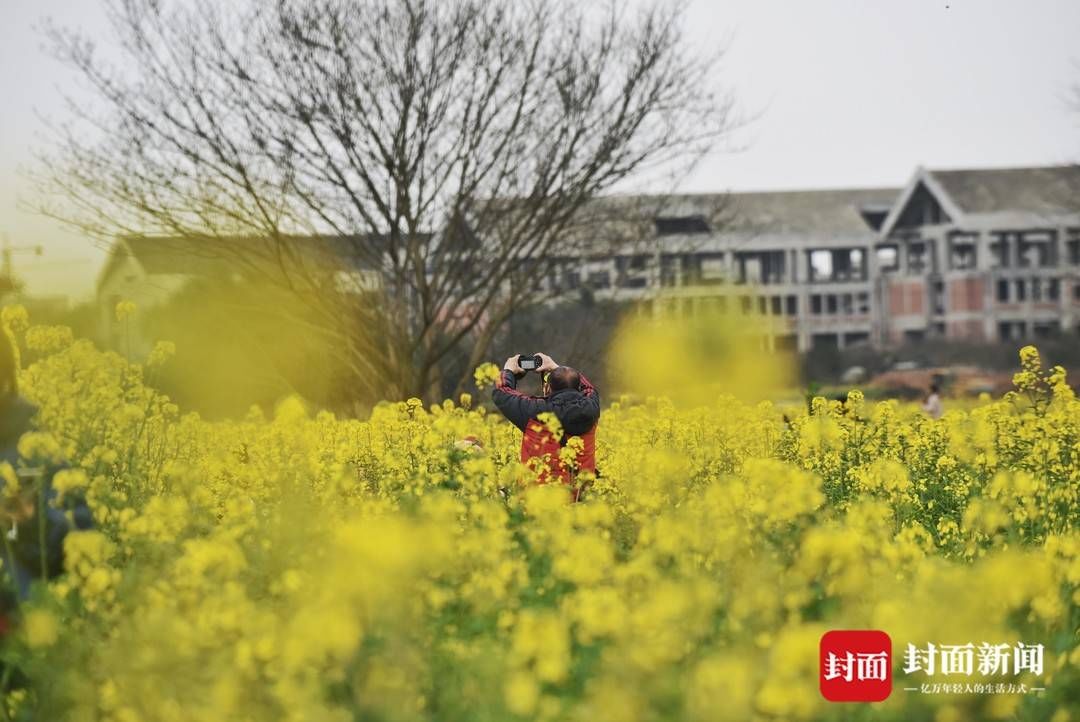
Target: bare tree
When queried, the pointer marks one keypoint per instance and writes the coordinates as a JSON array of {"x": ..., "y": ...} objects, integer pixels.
[{"x": 450, "y": 146}]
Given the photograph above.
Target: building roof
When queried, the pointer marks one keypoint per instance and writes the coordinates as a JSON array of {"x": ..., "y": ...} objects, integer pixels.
[
  {"x": 824, "y": 212},
  {"x": 224, "y": 257},
  {"x": 174, "y": 255},
  {"x": 746, "y": 217},
  {"x": 834, "y": 216},
  {"x": 1048, "y": 189}
]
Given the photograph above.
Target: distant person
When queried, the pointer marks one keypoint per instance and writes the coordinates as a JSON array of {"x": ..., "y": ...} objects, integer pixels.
[
  {"x": 932, "y": 404},
  {"x": 570, "y": 397},
  {"x": 34, "y": 526}
]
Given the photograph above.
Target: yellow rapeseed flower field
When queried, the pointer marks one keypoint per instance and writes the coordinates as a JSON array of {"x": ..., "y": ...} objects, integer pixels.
[{"x": 310, "y": 568}]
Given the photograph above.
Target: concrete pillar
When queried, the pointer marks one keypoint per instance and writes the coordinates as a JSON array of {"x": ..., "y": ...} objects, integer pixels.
[
  {"x": 936, "y": 260},
  {"x": 982, "y": 252},
  {"x": 802, "y": 269},
  {"x": 1061, "y": 262}
]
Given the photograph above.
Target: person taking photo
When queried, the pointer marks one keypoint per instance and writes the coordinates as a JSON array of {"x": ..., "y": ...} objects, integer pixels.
[{"x": 567, "y": 395}]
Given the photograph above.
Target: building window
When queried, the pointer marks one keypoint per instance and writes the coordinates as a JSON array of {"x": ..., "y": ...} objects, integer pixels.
[
  {"x": 1045, "y": 329},
  {"x": 862, "y": 303},
  {"x": 669, "y": 271},
  {"x": 825, "y": 340},
  {"x": 917, "y": 257},
  {"x": 713, "y": 269},
  {"x": 831, "y": 304},
  {"x": 691, "y": 269},
  {"x": 777, "y": 303},
  {"x": 793, "y": 305},
  {"x": 849, "y": 265},
  {"x": 887, "y": 258},
  {"x": 845, "y": 264},
  {"x": 750, "y": 270},
  {"x": 599, "y": 279},
  {"x": 1072, "y": 247},
  {"x": 761, "y": 267},
  {"x": 1053, "y": 289},
  {"x": 820, "y": 265},
  {"x": 962, "y": 252},
  {"x": 630, "y": 271},
  {"x": 815, "y": 304},
  {"x": 1021, "y": 290},
  {"x": 1003, "y": 291},
  {"x": 999, "y": 251},
  {"x": 1011, "y": 330},
  {"x": 680, "y": 225},
  {"x": 1037, "y": 249}
]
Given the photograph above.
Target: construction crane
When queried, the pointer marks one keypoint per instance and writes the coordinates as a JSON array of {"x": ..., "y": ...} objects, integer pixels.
[{"x": 7, "y": 272}]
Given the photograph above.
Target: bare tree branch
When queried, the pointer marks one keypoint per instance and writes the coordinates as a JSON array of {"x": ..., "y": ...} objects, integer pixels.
[{"x": 446, "y": 145}]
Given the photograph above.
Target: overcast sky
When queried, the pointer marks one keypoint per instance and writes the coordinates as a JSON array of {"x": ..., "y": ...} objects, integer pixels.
[{"x": 839, "y": 93}]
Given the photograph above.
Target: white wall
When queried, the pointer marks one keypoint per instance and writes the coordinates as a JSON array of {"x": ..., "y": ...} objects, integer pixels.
[{"x": 129, "y": 282}]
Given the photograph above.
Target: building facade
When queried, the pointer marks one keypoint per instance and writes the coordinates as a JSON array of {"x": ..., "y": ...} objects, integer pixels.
[
  {"x": 975, "y": 255},
  {"x": 150, "y": 271}
]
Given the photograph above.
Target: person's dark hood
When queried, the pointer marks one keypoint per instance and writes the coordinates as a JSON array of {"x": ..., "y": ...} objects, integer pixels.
[
  {"x": 15, "y": 416},
  {"x": 576, "y": 414}
]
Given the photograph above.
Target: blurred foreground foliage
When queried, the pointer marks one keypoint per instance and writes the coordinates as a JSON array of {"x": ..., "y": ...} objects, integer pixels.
[{"x": 299, "y": 567}]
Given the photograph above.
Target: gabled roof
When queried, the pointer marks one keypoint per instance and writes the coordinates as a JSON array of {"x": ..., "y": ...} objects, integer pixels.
[
  {"x": 1049, "y": 189},
  {"x": 175, "y": 255},
  {"x": 225, "y": 257},
  {"x": 968, "y": 195}
]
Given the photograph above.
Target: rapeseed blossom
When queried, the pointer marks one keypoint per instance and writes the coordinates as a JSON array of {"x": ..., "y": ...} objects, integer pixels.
[{"x": 301, "y": 566}]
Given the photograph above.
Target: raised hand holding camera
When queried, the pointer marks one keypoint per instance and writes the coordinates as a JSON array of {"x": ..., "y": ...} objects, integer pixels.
[
  {"x": 546, "y": 362},
  {"x": 513, "y": 366},
  {"x": 530, "y": 362}
]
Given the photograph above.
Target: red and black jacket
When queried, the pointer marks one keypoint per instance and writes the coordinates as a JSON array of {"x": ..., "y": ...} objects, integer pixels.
[{"x": 578, "y": 410}]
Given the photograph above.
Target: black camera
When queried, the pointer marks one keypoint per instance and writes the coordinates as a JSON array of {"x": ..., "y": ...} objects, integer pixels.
[{"x": 529, "y": 362}]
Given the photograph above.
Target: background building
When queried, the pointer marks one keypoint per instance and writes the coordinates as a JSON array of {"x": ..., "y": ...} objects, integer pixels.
[
  {"x": 973, "y": 255},
  {"x": 982, "y": 255}
]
